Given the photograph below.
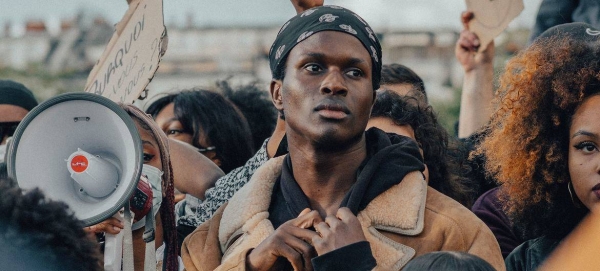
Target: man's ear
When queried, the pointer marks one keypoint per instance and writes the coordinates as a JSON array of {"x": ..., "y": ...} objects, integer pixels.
[
  {"x": 374, "y": 96},
  {"x": 275, "y": 89},
  {"x": 374, "y": 99}
]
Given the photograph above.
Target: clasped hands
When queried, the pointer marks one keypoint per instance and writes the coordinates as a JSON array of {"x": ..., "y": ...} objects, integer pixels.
[{"x": 295, "y": 242}]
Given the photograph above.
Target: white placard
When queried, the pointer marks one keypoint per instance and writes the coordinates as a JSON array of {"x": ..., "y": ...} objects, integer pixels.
[
  {"x": 132, "y": 55},
  {"x": 491, "y": 17}
]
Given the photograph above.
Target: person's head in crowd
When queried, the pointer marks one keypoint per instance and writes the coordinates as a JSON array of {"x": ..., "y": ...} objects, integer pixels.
[
  {"x": 404, "y": 115},
  {"x": 156, "y": 155},
  {"x": 448, "y": 261},
  {"x": 297, "y": 43},
  {"x": 209, "y": 122},
  {"x": 256, "y": 106},
  {"x": 543, "y": 141},
  {"x": 15, "y": 102},
  {"x": 403, "y": 81},
  {"x": 283, "y": 45},
  {"x": 39, "y": 234}
]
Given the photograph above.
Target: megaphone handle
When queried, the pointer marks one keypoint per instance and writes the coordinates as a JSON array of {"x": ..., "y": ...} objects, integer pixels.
[
  {"x": 128, "y": 240},
  {"x": 150, "y": 258},
  {"x": 113, "y": 249}
]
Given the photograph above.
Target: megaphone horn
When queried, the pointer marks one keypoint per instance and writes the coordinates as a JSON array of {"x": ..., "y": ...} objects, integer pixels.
[{"x": 101, "y": 147}]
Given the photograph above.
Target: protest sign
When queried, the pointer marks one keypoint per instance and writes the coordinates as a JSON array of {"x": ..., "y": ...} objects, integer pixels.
[
  {"x": 132, "y": 55},
  {"x": 491, "y": 17}
]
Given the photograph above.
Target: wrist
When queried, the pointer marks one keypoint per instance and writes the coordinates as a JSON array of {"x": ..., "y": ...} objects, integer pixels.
[
  {"x": 478, "y": 87},
  {"x": 479, "y": 76},
  {"x": 479, "y": 68}
]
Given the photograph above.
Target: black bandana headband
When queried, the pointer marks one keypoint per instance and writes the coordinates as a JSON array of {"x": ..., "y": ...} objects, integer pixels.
[{"x": 325, "y": 18}]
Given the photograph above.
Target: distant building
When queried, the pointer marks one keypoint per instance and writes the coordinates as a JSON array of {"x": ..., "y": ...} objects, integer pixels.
[
  {"x": 78, "y": 46},
  {"x": 200, "y": 56},
  {"x": 19, "y": 52}
]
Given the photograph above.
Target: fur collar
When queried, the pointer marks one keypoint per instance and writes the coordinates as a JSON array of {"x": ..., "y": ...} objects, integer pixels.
[{"x": 400, "y": 210}]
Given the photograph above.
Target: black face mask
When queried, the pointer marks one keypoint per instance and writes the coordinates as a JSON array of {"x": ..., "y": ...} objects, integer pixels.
[{"x": 7, "y": 129}]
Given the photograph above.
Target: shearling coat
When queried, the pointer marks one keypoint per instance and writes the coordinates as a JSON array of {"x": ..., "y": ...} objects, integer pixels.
[{"x": 405, "y": 221}]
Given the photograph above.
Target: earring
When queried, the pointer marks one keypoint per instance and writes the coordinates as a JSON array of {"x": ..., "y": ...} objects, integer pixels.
[{"x": 573, "y": 199}]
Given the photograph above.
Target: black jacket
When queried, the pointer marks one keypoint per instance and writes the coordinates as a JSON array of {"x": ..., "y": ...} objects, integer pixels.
[{"x": 530, "y": 255}]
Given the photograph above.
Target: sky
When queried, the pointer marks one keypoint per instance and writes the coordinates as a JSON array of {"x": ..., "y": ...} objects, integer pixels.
[{"x": 381, "y": 14}]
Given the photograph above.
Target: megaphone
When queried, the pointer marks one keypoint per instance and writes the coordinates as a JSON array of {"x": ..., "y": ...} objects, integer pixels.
[
  {"x": 84, "y": 150},
  {"x": 79, "y": 148}
]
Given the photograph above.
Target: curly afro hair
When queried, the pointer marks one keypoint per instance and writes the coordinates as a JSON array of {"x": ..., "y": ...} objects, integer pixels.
[
  {"x": 39, "y": 234},
  {"x": 527, "y": 141}
]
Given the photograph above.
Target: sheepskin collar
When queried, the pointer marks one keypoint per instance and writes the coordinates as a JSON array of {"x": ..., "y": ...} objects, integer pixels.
[{"x": 400, "y": 210}]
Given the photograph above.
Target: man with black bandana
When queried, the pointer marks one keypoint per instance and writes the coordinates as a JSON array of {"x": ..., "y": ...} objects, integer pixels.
[{"x": 343, "y": 198}]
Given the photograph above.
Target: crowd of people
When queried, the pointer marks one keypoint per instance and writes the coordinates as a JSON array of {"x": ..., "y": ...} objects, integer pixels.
[{"x": 343, "y": 165}]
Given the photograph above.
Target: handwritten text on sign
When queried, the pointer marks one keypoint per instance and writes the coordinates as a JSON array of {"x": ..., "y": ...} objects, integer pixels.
[{"x": 132, "y": 56}]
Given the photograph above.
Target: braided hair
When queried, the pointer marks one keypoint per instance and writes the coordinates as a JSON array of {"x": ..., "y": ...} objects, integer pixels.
[{"x": 167, "y": 208}]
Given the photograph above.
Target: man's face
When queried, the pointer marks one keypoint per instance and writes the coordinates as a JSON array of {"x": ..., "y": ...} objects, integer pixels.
[{"x": 327, "y": 92}]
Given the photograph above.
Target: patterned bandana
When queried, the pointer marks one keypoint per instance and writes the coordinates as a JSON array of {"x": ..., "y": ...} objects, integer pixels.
[{"x": 325, "y": 18}]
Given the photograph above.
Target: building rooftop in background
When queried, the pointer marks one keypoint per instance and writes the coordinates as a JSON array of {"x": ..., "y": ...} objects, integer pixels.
[
  {"x": 200, "y": 53},
  {"x": 32, "y": 27}
]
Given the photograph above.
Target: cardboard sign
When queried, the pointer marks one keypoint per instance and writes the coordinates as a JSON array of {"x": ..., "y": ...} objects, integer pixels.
[
  {"x": 132, "y": 55},
  {"x": 492, "y": 17}
]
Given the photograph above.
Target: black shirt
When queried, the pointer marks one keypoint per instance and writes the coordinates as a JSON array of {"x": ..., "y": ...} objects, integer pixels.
[{"x": 389, "y": 158}]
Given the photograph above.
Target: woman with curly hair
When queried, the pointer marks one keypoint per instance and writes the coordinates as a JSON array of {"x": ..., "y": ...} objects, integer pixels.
[
  {"x": 543, "y": 141},
  {"x": 408, "y": 116}
]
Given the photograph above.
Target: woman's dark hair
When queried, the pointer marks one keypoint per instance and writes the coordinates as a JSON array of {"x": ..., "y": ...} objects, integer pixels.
[
  {"x": 444, "y": 169},
  {"x": 448, "y": 261},
  {"x": 158, "y": 105},
  {"x": 209, "y": 114},
  {"x": 393, "y": 74},
  {"x": 257, "y": 107}
]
